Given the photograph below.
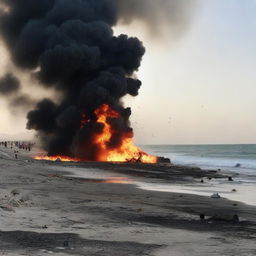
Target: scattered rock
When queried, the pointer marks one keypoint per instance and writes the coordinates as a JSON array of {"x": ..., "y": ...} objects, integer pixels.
[
  {"x": 215, "y": 195},
  {"x": 234, "y": 190},
  {"x": 202, "y": 181},
  {"x": 238, "y": 165},
  {"x": 230, "y": 179},
  {"x": 164, "y": 160}
]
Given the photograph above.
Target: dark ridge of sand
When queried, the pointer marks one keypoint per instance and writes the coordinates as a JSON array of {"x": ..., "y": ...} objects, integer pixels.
[
  {"x": 57, "y": 243},
  {"x": 115, "y": 219},
  {"x": 153, "y": 172}
]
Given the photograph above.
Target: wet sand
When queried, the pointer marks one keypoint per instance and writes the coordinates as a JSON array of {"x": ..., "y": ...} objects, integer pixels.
[{"x": 45, "y": 212}]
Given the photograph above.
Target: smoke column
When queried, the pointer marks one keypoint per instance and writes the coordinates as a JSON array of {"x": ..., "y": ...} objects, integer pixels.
[
  {"x": 10, "y": 88},
  {"x": 9, "y": 84},
  {"x": 69, "y": 45}
]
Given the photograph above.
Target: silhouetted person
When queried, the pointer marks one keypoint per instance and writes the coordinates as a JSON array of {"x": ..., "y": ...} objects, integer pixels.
[{"x": 202, "y": 217}]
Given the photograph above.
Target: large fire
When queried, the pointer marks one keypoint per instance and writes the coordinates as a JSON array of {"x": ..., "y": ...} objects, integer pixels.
[{"x": 126, "y": 151}]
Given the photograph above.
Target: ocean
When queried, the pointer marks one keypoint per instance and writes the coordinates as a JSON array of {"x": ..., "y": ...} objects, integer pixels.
[
  {"x": 225, "y": 157},
  {"x": 240, "y": 159}
]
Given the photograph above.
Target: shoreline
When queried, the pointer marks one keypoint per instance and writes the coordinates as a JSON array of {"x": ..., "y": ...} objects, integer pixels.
[
  {"x": 99, "y": 218},
  {"x": 234, "y": 190}
]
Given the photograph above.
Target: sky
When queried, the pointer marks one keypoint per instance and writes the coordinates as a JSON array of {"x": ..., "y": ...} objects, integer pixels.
[
  {"x": 201, "y": 89},
  {"x": 197, "y": 89}
]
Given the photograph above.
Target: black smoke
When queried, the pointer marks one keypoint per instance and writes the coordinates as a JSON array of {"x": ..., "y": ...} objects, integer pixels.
[
  {"x": 9, "y": 84},
  {"x": 10, "y": 89},
  {"x": 69, "y": 45}
]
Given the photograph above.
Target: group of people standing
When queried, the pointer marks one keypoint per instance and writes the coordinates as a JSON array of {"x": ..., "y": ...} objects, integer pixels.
[{"x": 17, "y": 145}]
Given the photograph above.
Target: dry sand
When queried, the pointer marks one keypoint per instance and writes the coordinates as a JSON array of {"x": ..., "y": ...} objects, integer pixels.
[{"x": 44, "y": 212}]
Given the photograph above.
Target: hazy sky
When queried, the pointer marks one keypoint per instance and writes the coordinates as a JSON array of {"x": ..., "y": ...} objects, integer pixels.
[
  {"x": 198, "y": 89},
  {"x": 203, "y": 89}
]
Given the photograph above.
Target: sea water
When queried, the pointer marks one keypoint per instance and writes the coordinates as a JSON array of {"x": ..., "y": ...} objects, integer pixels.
[
  {"x": 224, "y": 157},
  {"x": 240, "y": 159}
]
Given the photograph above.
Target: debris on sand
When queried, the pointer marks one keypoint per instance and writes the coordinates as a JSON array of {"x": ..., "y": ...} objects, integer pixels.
[
  {"x": 7, "y": 208},
  {"x": 164, "y": 160},
  {"x": 225, "y": 218},
  {"x": 15, "y": 192},
  {"x": 25, "y": 198},
  {"x": 215, "y": 195},
  {"x": 13, "y": 200},
  {"x": 230, "y": 179}
]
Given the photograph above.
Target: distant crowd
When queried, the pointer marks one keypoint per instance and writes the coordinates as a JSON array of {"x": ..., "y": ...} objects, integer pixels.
[{"x": 17, "y": 146}]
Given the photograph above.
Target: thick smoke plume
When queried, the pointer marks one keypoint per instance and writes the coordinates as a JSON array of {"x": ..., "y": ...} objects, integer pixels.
[
  {"x": 10, "y": 89},
  {"x": 9, "y": 84},
  {"x": 69, "y": 45}
]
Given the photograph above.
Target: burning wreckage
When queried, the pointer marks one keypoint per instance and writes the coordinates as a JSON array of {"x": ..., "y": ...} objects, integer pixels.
[{"x": 70, "y": 46}]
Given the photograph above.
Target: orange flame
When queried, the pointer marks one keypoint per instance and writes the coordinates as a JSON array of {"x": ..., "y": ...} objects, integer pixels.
[{"x": 125, "y": 152}]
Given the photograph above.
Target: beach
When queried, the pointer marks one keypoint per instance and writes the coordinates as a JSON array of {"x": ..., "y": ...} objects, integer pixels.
[
  {"x": 127, "y": 128},
  {"x": 56, "y": 208}
]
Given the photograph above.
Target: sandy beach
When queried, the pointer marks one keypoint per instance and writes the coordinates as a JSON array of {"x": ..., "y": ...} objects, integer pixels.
[
  {"x": 127, "y": 128},
  {"x": 45, "y": 211}
]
